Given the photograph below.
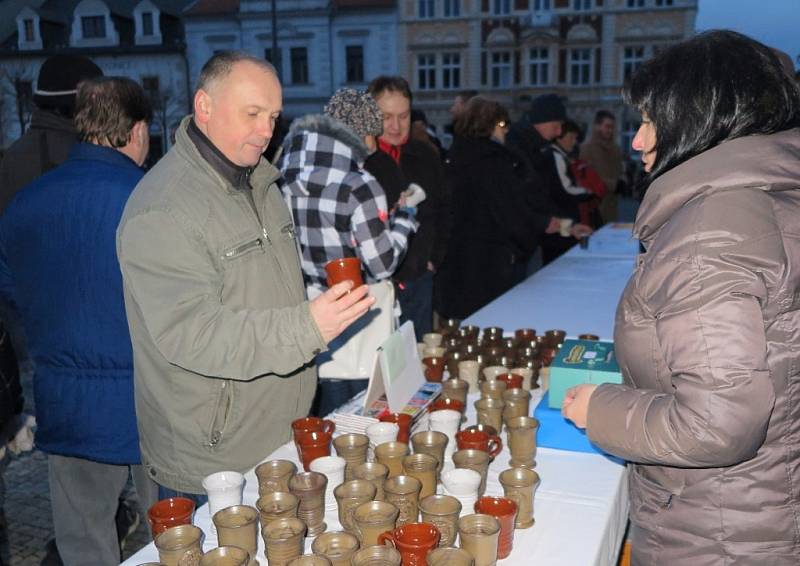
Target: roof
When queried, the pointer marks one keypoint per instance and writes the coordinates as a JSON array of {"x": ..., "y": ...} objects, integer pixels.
[
  {"x": 212, "y": 8},
  {"x": 351, "y": 4}
]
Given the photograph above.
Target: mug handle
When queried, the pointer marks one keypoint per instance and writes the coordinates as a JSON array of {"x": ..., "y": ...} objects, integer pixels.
[
  {"x": 385, "y": 537},
  {"x": 328, "y": 426},
  {"x": 498, "y": 445}
]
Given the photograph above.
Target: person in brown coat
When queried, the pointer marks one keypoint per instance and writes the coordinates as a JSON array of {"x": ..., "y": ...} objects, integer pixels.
[
  {"x": 708, "y": 328},
  {"x": 605, "y": 157}
]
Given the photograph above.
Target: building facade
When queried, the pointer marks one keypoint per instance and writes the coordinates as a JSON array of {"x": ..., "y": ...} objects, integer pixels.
[
  {"x": 514, "y": 50},
  {"x": 139, "y": 39},
  {"x": 322, "y": 45}
]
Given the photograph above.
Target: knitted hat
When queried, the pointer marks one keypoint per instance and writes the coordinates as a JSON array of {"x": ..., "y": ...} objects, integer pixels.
[
  {"x": 59, "y": 77},
  {"x": 547, "y": 108},
  {"x": 357, "y": 110}
]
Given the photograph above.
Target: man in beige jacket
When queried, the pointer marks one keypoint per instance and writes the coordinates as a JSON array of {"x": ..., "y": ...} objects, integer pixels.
[
  {"x": 605, "y": 157},
  {"x": 223, "y": 336}
]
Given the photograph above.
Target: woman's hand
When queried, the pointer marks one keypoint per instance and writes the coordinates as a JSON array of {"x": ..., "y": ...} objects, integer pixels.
[{"x": 576, "y": 403}]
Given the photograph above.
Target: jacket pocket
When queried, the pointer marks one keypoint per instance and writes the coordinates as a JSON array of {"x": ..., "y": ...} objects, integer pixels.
[
  {"x": 648, "y": 499},
  {"x": 220, "y": 415},
  {"x": 242, "y": 249}
]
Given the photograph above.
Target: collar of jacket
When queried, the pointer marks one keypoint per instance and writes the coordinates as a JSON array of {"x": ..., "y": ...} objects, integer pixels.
[
  {"x": 238, "y": 177},
  {"x": 263, "y": 174},
  {"x": 94, "y": 152},
  {"x": 327, "y": 126},
  {"x": 44, "y": 120},
  {"x": 767, "y": 163}
]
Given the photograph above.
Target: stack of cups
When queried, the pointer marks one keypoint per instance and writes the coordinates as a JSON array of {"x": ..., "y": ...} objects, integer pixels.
[
  {"x": 463, "y": 484},
  {"x": 332, "y": 467},
  {"x": 447, "y": 421},
  {"x": 379, "y": 433}
]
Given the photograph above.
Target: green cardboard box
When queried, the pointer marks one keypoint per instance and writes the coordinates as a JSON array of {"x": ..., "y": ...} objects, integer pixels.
[{"x": 581, "y": 361}]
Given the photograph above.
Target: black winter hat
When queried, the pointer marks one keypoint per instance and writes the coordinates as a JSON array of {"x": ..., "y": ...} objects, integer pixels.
[
  {"x": 547, "y": 108},
  {"x": 59, "y": 77}
]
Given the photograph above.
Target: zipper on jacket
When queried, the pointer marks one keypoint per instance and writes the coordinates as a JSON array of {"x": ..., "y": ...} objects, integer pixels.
[
  {"x": 223, "y": 407},
  {"x": 244, "y": 248}
]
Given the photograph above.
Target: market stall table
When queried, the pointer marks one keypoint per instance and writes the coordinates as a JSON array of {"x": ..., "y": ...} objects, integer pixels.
[{"x": 581, "y": 505}]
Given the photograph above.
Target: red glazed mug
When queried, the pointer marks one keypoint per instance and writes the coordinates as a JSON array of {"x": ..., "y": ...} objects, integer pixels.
[
  {"x": 314, "y": 445},
  {"x": 414, "y": 541},
  {"x": 434, "y": 368},
  {"x": 342, "y": 269},
  {"x": 479, "y": 440},
  {"x": 311, "y": 424},
  {"x": 403, "y": 420},
  {"x": 170, "y": 512},
  {"x": 505, "y": 511},
  {"x": 512, "y": 380}
]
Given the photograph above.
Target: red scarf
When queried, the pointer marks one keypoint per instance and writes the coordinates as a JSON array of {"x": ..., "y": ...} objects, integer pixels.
[{"x": 392, "y": 151}]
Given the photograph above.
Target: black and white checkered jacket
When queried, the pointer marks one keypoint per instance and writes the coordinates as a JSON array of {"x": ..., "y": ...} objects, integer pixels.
[{"x": 339, "y": 209}]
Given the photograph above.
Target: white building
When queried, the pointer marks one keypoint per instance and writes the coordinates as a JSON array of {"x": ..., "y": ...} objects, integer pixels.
[
  {"x": 139, "y": 39},
  {"x": 322, "y": 45}
]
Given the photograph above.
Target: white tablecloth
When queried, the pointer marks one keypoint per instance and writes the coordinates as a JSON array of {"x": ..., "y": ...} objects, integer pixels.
[{"x": 581, "y": 506}]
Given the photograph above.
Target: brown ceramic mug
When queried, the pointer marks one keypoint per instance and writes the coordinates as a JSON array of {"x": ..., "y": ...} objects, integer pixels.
[
  {"x": 442, "y": 511},
  {"x": 344, "y": 269},
  {"x": 274, "y": 475},
  {"x": 337, "y": 546},
  {"x": 478, "y": 534},
  {"x": 373, "y": 518},
  {"x": 414, "y": 541},
  {"x": 479, "y": 440}
]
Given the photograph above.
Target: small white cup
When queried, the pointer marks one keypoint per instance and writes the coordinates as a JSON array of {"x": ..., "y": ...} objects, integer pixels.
[
  {"x": 469, "y": 371},
  {"x": 331, "y": 467},
  {"x": 564, "y": 227},
  {"x": 224, "y": 489},
  {"x": 379, "y": 433},
  {"x": 461, "y": 482},
  {"x": 448, "y": 422},
  {"x": 432, "y": 339}
]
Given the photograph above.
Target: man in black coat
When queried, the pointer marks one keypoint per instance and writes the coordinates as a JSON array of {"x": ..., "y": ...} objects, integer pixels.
[
  {"x": 531, "y": 138},
  {"x": 418, "y": 163}
]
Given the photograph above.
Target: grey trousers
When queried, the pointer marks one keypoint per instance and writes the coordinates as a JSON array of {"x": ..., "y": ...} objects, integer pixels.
[{"x": 84, "y": 496}]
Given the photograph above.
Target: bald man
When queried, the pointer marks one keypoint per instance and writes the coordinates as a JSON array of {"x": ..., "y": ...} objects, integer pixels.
[{"x": 224, "y": 339}]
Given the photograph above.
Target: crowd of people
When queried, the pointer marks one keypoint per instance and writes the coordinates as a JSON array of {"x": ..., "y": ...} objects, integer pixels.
[{"x": 174, "y": 316}]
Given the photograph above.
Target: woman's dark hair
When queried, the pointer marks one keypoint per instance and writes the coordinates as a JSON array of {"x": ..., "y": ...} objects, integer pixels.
[
  {"x": 571, "y": 127},
  {"x": 107, "y": 109},
  {"x": 717, "y": 86},
  {"x": 393, "y": 84},
  {"x": 479, "y": 118}
]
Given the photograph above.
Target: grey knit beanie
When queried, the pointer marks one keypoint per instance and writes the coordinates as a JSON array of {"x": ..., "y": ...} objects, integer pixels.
[{"x": 357, "y": 110}]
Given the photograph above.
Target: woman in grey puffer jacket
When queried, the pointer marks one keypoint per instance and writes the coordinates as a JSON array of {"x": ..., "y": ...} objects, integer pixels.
[{"x": 708, "y": 328}]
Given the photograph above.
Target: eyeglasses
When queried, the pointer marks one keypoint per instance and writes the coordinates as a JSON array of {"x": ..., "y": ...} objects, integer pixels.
[{"x": 502, "y": 124}]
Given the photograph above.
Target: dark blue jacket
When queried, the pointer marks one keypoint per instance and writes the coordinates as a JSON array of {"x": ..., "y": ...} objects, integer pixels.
[{"x": 57, "y": 239}]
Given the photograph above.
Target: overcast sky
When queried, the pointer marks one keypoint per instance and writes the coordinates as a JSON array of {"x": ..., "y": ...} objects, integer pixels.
[{"x": 774, "y": 22}]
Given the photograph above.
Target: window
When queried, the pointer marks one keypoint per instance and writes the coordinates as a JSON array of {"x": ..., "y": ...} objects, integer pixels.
[
  {"x": 151, "y": 87},
  {"x": 93, "y": 27},
  {"x": 451, "y": 70},
  {"x": 632, "y": 59},
  {"x": 635, "y": 3},
  {"x": 580, "y": 66},
  {"x": 299, "y": 65},
  {"x": 578, "y": 5},
  {"x": 500, "y": 70},
  {"x": 426, "y": 71},
  {"x": 354, "y": 63},
  {"x": 541, "y": 5},
  {"x": 539, "y": 65},
  {"x": 663, "y": 3},
  {"x": 28, "y": 25},
  {"x": 426, "y": 8},
  {"x": 501, "y": 7},
  {"x": 452, "y": 8},
  {"x": 147, "y": 23},
  {"x": 276, "y": 61}
]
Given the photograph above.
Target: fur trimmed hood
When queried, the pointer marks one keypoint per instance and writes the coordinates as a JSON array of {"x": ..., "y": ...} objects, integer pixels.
[{"x": 332, "y": 128}]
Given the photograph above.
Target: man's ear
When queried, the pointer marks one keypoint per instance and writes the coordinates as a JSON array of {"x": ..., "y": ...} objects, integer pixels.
[
  {"x": 138, "y": 133},
  {"x": 202, "y": 106}
]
